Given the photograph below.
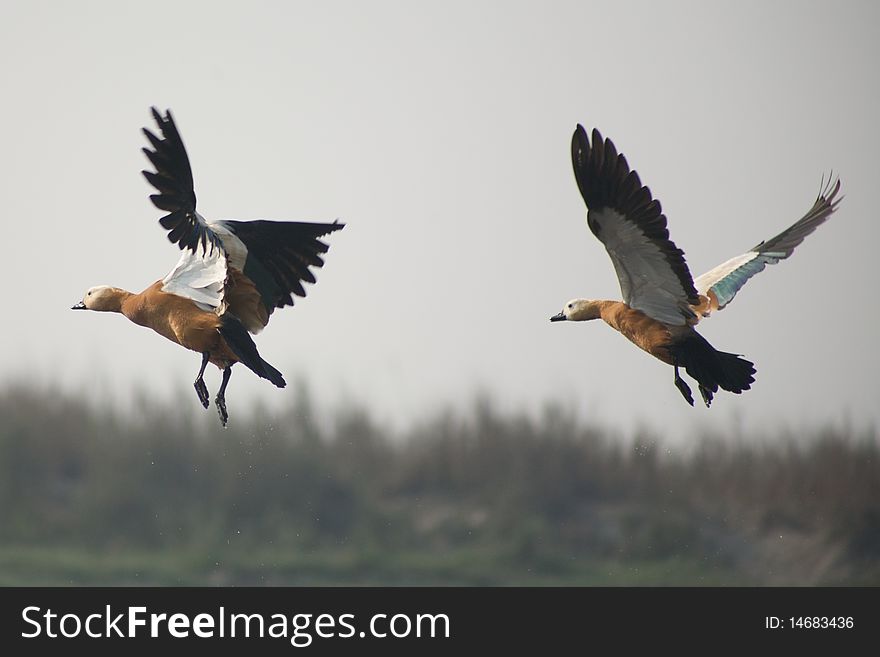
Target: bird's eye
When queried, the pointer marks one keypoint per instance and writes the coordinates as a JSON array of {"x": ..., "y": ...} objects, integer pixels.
[
  {"x": 570, "y": 306},
  {"x": 89, "y": 293}
]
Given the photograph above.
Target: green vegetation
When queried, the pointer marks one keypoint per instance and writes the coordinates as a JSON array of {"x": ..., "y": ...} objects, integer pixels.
[{"x": 89, "y": 496}]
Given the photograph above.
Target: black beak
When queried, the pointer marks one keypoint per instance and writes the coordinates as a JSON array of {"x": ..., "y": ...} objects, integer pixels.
[
  {"x": 79, "y": 306},
  {"x": 560, "y": 317}
]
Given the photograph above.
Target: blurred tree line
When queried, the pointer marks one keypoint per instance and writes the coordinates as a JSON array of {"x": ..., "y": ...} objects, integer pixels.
[{"x": 89, "y": 495}]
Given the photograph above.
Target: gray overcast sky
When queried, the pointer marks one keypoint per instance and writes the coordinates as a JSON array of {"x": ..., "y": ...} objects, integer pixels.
[{"x": 439, "y": 132}]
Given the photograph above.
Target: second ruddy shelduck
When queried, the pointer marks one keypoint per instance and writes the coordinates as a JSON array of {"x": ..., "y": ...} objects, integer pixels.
[
  {"x": 230, "y": 277},
  {"x": 661, "y": 301}
]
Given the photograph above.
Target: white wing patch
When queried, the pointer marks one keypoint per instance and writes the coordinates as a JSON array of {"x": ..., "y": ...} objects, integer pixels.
[
  {"x": 236, "y": 251},
  {"x": 199, "y": 276},
  {"x": 726, "y": 279},
  {"x": 647, "y": 282}
]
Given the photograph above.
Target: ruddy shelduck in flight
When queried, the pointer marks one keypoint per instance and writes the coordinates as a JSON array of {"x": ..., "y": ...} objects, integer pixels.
[
  {"x": 661, "y": 302},
  {"x": 230, "y": 277}
]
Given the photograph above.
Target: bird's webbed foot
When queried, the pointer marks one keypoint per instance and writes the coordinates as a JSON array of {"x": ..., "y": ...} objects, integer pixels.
[
  {"x": 220, "y": 400},
  {"x": 221, "y": 409},
  {"x": 199, "y": 385},
  {"x": 685, "y": 389},
  {"x": 707, "y": 396}
]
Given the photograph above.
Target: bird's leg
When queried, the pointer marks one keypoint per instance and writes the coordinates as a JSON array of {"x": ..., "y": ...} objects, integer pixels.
[
  {"x": 707, "y": 396},
  {"x": 220, "y": 400},
  {"x": 201, "y": 388},
  {"x": 683, "y": 387}
]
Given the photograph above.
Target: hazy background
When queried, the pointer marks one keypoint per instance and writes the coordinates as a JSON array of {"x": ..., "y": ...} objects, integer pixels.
[
  {"x": 440, "y": 135},
  {"x": 92, "y": 496}
]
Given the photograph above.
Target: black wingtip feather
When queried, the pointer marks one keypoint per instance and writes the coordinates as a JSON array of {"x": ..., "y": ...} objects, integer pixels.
[
  {"x": 283, "y": 251},
  {"x": 172, "y": 179},
  {"x": 825, "y": 205}
]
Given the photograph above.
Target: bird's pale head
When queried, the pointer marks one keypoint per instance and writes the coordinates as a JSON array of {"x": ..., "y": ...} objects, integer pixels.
[
  {"x": 577, "y": 310},
  {"x": 100, "y": 297}
]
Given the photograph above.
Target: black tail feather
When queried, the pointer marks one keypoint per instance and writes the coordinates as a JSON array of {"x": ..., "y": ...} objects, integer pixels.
[
  {"x": 243, "y": 346},
  {"x": 711, "y": 368}
]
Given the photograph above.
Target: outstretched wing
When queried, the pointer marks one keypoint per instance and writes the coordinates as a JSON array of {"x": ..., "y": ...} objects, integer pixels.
[
  {"x": 274, "y": 259},
  {"x": 200, "y": 273},
  {"x": 651, "y": 269},
  {"x": 257, "y": 266},
  {"x": 721, "y": 284},
  {"x": 174, "y": 182}
]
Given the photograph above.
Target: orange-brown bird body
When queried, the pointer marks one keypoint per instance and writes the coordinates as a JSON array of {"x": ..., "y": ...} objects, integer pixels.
[
  {"x": 662, "y": 303},
  {"x": 180, "y": 320},
  {"x": 643, "y": 331}
]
